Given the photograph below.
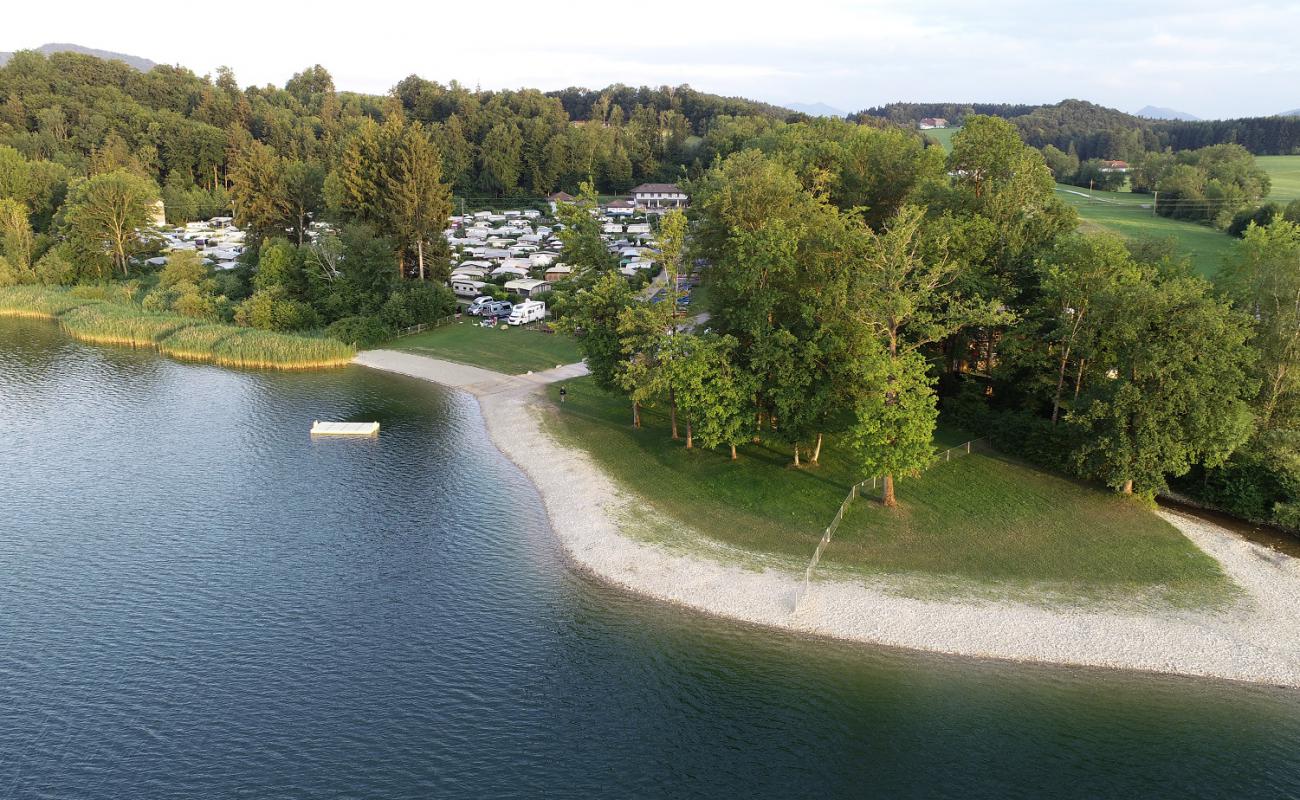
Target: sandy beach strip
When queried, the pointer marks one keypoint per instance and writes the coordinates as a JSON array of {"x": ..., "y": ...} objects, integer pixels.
[{"x": 1255, "y": 639}]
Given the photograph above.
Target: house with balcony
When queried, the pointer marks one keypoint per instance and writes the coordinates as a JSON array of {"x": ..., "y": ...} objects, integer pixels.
[{"x": 656, "y": 198}]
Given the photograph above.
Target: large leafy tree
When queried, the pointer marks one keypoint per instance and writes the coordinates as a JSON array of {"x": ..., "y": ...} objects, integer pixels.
[
  {"x": 594, "y": 320},
  {"x": 1175, "y": 386},
  {"x": 584, "y": 246},
  {"x": 104, "y": 212},
  {"x": 713, "y": 394},
  {"x": 908, "y": 296},
  {"x": 1264, "y": 280}
]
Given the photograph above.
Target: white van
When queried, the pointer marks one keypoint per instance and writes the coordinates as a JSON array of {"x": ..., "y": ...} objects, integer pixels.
[
  {"x": 527, "y": 311},
  {"x": 464, "y": 287}
]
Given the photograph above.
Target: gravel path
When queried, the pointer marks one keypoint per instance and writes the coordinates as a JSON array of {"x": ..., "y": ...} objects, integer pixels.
[{"x": 1256, "y": 639}]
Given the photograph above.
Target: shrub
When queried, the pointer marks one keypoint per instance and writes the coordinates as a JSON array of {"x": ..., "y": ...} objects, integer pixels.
[
  {"x": 54, "y": 270},
  {"x": 272, "y": 310},
  {"x": 359, "y": 331},
  {"x": 417, "y": 304}
]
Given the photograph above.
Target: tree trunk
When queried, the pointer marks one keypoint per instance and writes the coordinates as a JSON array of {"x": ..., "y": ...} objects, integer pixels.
[
  {"x": 757, "y": 437},
  {"x": 690, "y": 441},
  {"x": 1078, "y": 380},
  {"x": 672, "y": 414},
  {"x": 733, "y": 452},
  {"x": 887, "y": 492},
  {"x": 796, "y": 455},
  {"x": 817, "y": 451},
  {"x": 419, "y": 255},
  {"x": 1060, "y": 386},
  {"x": 636, "y": 414},
  {"x": 1128, "y": 487}
]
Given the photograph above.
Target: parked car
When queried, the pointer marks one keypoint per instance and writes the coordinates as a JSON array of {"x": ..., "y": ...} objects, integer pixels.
[
  {"x": 479, "y": 305},
  {"x": 499, "y": 309}
]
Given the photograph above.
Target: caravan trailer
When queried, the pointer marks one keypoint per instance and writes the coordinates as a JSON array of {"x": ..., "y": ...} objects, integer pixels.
[{"x": 466, "y": 287}]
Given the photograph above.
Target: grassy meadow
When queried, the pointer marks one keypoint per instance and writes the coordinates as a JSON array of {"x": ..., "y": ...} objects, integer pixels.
[
  {"x": 1124, "y": 214},
  {"x": 1284, "y": 172},
  {"x": 512, "y": 350},
  {"x": 943, "y": 136},
  {"x": 979, "y": 520},
  {"x": 85, "y": 316}
]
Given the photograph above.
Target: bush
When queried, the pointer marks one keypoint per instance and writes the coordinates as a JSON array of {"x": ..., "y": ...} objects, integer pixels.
[
  {"x": 1262, "y": 216},
  {"x": 359, "y": 331},
  {"x": 417, "y": 304},
  {"x": 272, "y": 310},
  {"x": 54, "y": 270}
]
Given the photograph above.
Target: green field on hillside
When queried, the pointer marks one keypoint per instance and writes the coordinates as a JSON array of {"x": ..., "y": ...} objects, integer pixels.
[
  {"x": 943, "y": 136},
  {"x": 1130, "y": 215},
  {"x": 511, "y": 350},
  {"x": 1285, "y": 174},
  {"x": 980, "y": 519}
]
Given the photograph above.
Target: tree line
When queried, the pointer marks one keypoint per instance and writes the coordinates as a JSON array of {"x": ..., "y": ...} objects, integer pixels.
[
  {"x": 964, "y": 285},
  {"x": 1095, "y": 131}
]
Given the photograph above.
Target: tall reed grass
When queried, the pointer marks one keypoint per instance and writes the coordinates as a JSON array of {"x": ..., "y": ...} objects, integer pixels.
[{"x": 91, "y": 314}]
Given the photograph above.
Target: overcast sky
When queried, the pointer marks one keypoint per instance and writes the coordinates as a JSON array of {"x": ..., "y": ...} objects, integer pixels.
[{"x": 1212, "y": 59}]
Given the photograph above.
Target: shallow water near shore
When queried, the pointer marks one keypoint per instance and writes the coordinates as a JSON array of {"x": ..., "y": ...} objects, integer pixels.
[{"x": 198, "y": 600}]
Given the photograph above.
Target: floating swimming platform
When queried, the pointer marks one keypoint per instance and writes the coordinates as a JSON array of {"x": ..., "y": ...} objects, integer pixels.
[{"x": 319, "y": 428}]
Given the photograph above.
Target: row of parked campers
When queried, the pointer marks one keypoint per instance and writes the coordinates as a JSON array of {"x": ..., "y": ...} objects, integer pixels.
[{"x": 505, "y": 311}]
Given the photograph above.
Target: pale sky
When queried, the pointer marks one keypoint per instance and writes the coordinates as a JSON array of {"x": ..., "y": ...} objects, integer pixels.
[{"x": 1211, "y": 59}]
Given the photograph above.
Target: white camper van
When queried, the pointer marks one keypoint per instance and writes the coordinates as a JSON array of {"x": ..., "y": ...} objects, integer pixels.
[{"x": 527, "y": 311}]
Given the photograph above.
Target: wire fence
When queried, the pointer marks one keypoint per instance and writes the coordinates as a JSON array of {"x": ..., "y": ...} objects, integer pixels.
[
  {"x": 802, "y": 592},
  {"x": 425, "y": 326}
]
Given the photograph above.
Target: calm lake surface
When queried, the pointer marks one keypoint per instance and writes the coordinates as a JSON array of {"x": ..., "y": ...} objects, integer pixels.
[{"x": 199, "y": 601}]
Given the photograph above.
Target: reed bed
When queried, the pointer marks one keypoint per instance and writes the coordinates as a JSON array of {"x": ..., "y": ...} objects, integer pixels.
[
  {"x": 196, "y": 342},
  {"x": 125, "y": 294},
  {"x": 38, "y": 302},
  {"x": 104, "y": 315},
  {"x": 264, "y": 349},
  {"x": 107, "y": 323}
]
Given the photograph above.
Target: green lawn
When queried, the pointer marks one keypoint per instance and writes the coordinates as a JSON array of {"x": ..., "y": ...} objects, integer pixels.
[
  {"x": 1122, "y": 213},
  {"x": 1285, "y": 174},
  {"x": 994, "y": 520},
  {"x": 513, "y": 351},
  {"x": 943, "y": 136},
  {"x": 978, "y": 519}
]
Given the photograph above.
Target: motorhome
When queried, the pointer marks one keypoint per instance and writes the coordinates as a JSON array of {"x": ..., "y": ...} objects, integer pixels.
[{"x": 527, "y": 311}]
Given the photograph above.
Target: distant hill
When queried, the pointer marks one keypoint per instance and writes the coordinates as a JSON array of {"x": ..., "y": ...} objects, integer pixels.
[
  {"x": 142, "y": 64},
  {"x": 1295, "y": 112},
  {"x": 816, "y": 109},
  {"x": 1157, "y": 112}
]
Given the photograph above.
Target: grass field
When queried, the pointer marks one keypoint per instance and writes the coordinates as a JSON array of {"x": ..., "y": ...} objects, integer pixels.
[
  {"x": 943, "y": 136},
  {"x": 1285, "y": 174},
  {"x": 977, "y": 519},
  {"x": 990, "y": 519},
  {"x": 513, "y": 351},
  {"x": 1122, "y": 213}
]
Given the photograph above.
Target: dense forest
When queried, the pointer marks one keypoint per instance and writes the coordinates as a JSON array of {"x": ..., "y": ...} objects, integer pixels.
[{"x": 1094, "y": 131}]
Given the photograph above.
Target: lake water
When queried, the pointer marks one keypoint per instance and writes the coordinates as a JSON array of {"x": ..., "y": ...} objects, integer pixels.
[{"x": 199, "y": 601}]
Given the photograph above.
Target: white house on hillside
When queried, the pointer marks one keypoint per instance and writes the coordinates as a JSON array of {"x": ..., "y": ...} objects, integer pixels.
[{"x": 658, "y": 196}]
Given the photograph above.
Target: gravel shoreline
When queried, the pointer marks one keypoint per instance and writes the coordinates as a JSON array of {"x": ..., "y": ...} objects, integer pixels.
[{"x": 1255, "y": 639}]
